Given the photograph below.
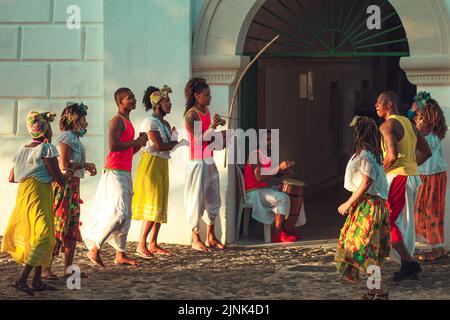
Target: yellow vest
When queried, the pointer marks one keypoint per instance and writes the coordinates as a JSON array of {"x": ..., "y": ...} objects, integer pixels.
[{"x": 406, "y": 164}]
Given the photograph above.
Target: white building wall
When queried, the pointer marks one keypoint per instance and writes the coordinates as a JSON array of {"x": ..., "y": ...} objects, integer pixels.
[
  {"x": 148, "y": 42},
  {"x": 43, "y": 65}
]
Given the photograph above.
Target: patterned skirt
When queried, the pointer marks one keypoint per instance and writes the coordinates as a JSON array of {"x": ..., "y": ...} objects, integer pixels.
[
  {"x": 430, "y": 209},
  {"x": 365, "y": 238},
  {"x": 66, "y": 213}
]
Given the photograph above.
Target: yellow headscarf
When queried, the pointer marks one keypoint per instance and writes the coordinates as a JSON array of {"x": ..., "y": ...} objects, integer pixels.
[{"x": 156, "y": 96}]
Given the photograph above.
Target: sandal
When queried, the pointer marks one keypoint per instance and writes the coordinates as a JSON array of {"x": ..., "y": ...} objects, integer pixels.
[
  {"x": 51, "y": 277},
  {"x": 368, "y": 296},
  {"x": 381, "y": 296},
  {"x": 43, "y": 287},
  {"x": 23, "y": 287}
]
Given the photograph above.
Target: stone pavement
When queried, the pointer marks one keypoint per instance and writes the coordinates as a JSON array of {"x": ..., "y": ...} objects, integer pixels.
[{"x": 274, "y": 272}]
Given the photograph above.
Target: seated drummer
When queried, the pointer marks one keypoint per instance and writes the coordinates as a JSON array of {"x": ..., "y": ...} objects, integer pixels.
[{"x": 269, "y": 204}]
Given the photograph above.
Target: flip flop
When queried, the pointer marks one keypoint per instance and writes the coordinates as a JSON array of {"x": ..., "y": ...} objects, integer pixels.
[
  {"x": 143, "y": 255},
  {"x": 23, "y": 287},
  {"x": 44, "y": 287}
]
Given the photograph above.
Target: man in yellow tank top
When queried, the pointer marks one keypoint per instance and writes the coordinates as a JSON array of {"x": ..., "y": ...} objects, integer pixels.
[{"x": 403, "y": 150}]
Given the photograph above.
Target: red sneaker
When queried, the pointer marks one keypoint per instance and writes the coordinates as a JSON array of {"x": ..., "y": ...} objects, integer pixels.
[{"x": 284, "y": 237}]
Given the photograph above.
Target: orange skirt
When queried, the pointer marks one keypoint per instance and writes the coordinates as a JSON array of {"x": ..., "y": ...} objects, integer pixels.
[{"x": 430, "y": 209}]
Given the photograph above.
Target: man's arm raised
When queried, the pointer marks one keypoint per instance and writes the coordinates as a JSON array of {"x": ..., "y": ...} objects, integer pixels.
[{"x": 391, "y": 144}]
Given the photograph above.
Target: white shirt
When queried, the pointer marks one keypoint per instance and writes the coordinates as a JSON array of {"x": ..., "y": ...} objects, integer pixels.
[
  {"x": 436, "y": 163},
  {"x": 366, "y": 164},
  {"x": 28, "y": 162},
  {"x": 78, "y": 154},
  {"x": 152, "y": 123}
]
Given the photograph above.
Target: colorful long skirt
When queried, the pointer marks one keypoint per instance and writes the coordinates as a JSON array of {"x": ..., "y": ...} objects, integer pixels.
[
  {"x": 365, "y": 238},
  {"x": 430, "y": 209},
  {"x": 29, "y": 235},
  {"x": 151, "y": 189},
  {"x": 66, "y": 213}
]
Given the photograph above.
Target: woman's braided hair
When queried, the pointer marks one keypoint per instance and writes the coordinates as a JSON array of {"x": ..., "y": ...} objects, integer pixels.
[
  {"x": 195, "y": 85},
  {"x": 368, "y": 137}
]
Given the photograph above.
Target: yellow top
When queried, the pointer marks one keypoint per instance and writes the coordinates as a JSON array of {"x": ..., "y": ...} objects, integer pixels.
[{"x": 406, "y": 164}]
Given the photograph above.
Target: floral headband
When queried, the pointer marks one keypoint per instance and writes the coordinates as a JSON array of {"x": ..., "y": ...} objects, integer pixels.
[
  {"x": 421, "y": 99},
  {"x": 156, "y": 96},
  {"x": 38, "y": 123}
]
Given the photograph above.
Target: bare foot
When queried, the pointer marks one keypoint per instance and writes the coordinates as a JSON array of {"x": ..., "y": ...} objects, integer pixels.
[
  {"x": 214, "y": 243},
  {"x": 94, "y": 256},
  {"x": 124, "y": 260},
  {"x": 158, "y": 250},
  {"x": 198, "y": 245}
]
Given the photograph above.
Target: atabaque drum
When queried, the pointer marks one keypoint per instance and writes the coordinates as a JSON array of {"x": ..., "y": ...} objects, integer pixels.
[{"x": 294, "y": 189}]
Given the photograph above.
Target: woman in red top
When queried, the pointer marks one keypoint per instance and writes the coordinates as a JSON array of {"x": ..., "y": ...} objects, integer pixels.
[{"x": 202, "y": 191}]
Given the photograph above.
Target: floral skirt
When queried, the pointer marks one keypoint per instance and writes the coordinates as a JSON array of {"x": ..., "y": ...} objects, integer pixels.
[
  {"x": 365, "y": 238},
  {"x": 430, "y": 209},
  {"x": 28, "y": 238},
  {"x": 66, "y": 213}
]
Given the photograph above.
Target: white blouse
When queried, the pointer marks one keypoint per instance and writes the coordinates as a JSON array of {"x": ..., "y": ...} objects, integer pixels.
[
  {"x": 366, "y": 164},
  {"x": 28, "y": 162},
  {"x": 436, "y": 163},
  {"x": 78, "y": 150},
  {"x": 152, "y": 123}
]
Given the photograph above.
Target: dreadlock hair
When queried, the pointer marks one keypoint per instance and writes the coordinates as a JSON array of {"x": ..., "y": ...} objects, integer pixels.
[
  {"x": 434, "y": 118},
  {"x": 195, "y": 85},
  {"x": 120, "y": 94},
  {"x": 71, "y": 115},
  {"x": 146, "y": 99},
  {"x": 368, "y": 137}
]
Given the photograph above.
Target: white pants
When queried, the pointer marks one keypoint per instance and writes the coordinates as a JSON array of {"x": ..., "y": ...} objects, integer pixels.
[
  {"x": 405, "y": 221},
  {"x": 202, "y": 193},
  {"x": 267, "y": 202},
  {"x": 111, "y": 211}
]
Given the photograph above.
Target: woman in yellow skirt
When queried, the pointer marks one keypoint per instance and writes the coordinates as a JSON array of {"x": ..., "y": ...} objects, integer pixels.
[
  {"x": 29, "y": 236},
  {"x": 151, "y": 185}
]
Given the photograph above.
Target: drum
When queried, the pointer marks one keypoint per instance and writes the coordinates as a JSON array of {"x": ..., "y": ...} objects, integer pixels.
[{"x": 294, "y": 189}]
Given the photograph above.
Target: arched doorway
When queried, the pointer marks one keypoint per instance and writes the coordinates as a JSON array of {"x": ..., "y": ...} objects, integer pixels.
[
  {"x": 326, "y": 67},
  {"x": 219, "y": 48}
]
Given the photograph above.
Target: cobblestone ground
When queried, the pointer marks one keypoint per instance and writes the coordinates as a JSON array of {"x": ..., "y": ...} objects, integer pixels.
[{"x": 238, "y": 273}]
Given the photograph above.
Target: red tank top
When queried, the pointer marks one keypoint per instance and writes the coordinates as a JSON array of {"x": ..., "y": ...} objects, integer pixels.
[
  {"x": 249, "y": 174},
  {"x": 122, "y": 160},
  {"x": 197, "y": 150}
]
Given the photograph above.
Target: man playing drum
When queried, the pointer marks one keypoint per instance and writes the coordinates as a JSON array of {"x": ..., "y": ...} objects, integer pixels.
[{"x": 269, "y": 205}]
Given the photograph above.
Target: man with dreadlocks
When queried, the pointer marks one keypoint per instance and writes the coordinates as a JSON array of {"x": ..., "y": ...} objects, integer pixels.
[
  {"x": 401, "y": 141},
  {"x": 365, "y": 237}
]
